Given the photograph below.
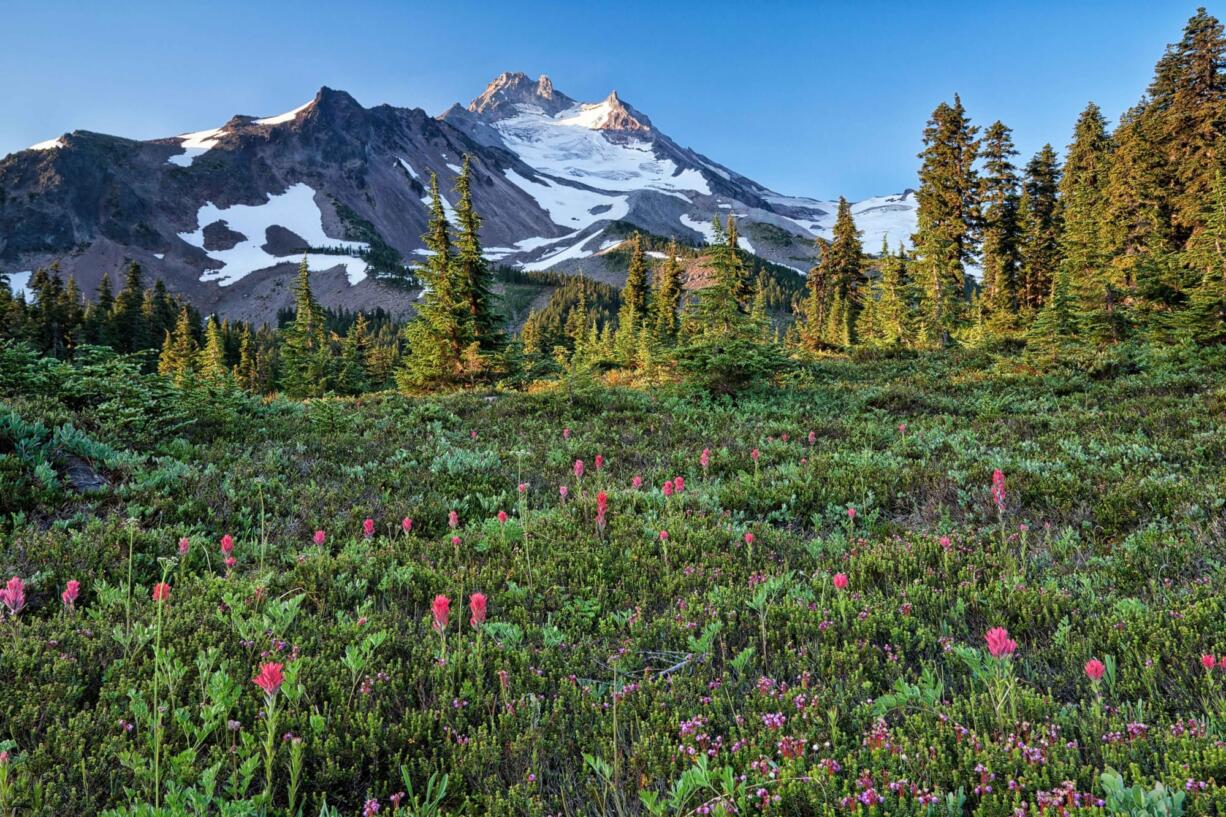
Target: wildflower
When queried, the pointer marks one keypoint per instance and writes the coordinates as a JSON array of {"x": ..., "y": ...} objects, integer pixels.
[
  {"x": 371, "y": 808},
  {"x": 453, "y": 520},
  {"x": 749, "y": 538},
  {"x": 368, "y": 527},
  {"x": 578, "y": 469},
  {"x": 504, "y": 679},
  {"x": 455, "y": 541},
  {"x": 1206, "y": 661},
  {"x": 753, "y": 455},
  {"x": 599, "y": 462},
  {"x": 851, "y": 514},
  {"x": 230, "y": 561},
  {"x": 998, "y": 489},
  {"x": 161, "y": 592},
  {"x": 1095, "y": 669},
  {"x": 704, "y": 459},
  {"x": 476, "y": 604},
  {"x": 812, "y": 438},
  {"x": 902, "y": 428},
  {"x": 667, "y": 488},
  {"x": 566, "y": 433},
  {"x": 406, "y": 524},
  {"x": 637, "y": 482},
  {"x": 227, "y": 544},
  {"x": 602, "y": 505},
  {"x": 945, "y": 543},
  {"x": 270, "y": 678},
  {"x": 441, "y": 610},
  {"x": 523, "y": 487},
  {"x": 678, "y": 485},
  {"x": 71, "y": 590},
  {"x": 563, "y": 492},
  {"x": 185, "y": 545},
  {"x": 663, "y": 536},
  {"x": 14, "y": 595},
  {"x": 502, "y": 517},
  {"x": 999, "y": 643},
  {"x": 840, "y": 581},
  {"x": 320, "y": 538}
]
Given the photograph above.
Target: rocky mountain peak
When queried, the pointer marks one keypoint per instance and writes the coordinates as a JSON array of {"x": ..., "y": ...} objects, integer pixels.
[
  {"x": 622, "y": 117},
  {"x": 509, "y": 89}
]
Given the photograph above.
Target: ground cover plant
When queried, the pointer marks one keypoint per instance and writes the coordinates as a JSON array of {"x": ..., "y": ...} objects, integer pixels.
[{"x": 935, "y": 585}]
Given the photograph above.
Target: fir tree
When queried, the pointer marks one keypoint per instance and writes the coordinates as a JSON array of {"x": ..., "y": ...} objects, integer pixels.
[
  {"x": 212, "y": 363},
  {"x": 1001, "y": 230},
  {"x": 474, "y": 280},
  {"x": 1054, "y": 331},
  {"x": 633, "y": 313},
  {"x": 131, "y": 331},
  {"x": 1204, "y": 318},
  {"x": 178, "y": 357},
  {"x": 666, "y": 298},
  {"x": 353, "y": 378},
  {"x": 98, "y": 325},
  {"x": 1040, "y": 219},
  {"x": 438, "y": 335},
  {"x": 306, "y": 356},
  {"x": 948, "y": 218},
  {"x": 247, "y": 373}
]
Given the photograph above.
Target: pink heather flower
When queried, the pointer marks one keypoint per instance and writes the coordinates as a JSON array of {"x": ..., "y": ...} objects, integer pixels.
[
  {"x": 851, "y": 513},
  {"x": 578, "y": 469},
  {"x": 599, "y": 462},
  {"x": 71, "y": 590},
  {"x": 999, "y": 643},
  {"x": 523, "y": 487},
  {"x": 368, "y": 527},
  {"x": 441, "y": 610},
  {"x": 1206, "y": 661},
  {"x": 563, "y": 492},
  {"x": 502, "y": 517},
  {"x": 663, "y": 536},
  {"x": 566, "y": 433},
  {"x": 749, "y": 537},
  {"x": 453, "y": 519},
  {"x": 1095, "y": 669},
  {"x": 636, "y": 482},
  {"x": 753, "y": 455},
  {"x": 161, "y": 592},
  {"x": 840, "y": 581},
  {"x": 667, "y": 488},
  {"x": 185, "y": 545},
  {"x": 679, "y": 485},
  {"x": 406, "y": 524},
  {"x": 227, "y": 544},
  {"x": 270, "y": 678},
  {"x": 371, "y": 806},
  {"x": 320, "y": 537},
  {"x": 704, "y": 459},
  {"x": 476, "y": 603},
  {"x": 998, "y": 489}
]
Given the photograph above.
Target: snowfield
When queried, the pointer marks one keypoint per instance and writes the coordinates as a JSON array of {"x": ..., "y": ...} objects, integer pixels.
[
  {"x": 571, "y": 206},
  {"x": 296, "y": 211},
  {"x": 50, "y": 144},
  {"x": 196, "y": 144}
]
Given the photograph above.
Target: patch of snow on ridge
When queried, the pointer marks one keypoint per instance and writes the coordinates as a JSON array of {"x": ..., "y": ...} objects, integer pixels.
[
  {"x": 295, "y": 210},
  {"x": 566, "y": 146},
  {"x": 50, "y": 144},
  {"x": 699, "y": 226},
  {"x": 571, "y": 253},
  {"x": 195, "y": 144},
  {"x": 288, "y": 116},
  {"x": 408, "y": 167},
  {"x": 571, "y": 206}
]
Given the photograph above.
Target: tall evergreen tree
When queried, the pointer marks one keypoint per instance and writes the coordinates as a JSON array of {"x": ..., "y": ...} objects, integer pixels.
[
  {"x": 438, "y": 335},
  {"x": 948, "y": 218},
  {"x": 666, "y": 297},
  {"x": 178, "y": 357},
  {"x": 632, "y": 316},
  {"x": 98, "y": 315},
  {"x": 306, "y": 356},
  {"x": 131, "y": 331},
  {"x": 474, "y": 279},
  {"x": 353, "y": 377},
  {"x": 1040, "y": 218},
  {"x": 1001, "y": 228},
  {"x": 212, "y": 365}
]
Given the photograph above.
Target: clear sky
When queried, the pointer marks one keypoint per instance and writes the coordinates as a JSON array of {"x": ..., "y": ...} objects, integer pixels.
[{"x": 813, "y": 98}]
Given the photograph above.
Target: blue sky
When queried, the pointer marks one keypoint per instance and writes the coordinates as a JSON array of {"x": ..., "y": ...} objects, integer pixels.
[{"x": 814, "y": 98}]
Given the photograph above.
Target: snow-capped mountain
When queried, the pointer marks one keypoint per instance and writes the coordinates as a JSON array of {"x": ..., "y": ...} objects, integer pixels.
[{"x": 225, "y": 214}]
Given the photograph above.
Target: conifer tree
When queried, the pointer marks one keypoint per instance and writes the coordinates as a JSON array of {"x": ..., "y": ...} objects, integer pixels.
[
  {"x": 948, "y": 218},
  {"x": 895, "y": 327},
  {"x": 666, "y": 298},
  {"x": 474, "y": 279},
  {"x": 1082, "y": 190},
  {"x": 844, "y": 275},
  {"x": 98, "y": 328},
  {"x": 1001, "y": 229},
  {"x": 178, "y": 357},
  {"x": 212, "y": 364},
  {"x": 306, "y": 357},
  {"x": 247, "y": 374},
  {"x": 1054, "y": 331},
  {"x": 438, "y": 335},
  {"x": 1040, "y": 219},
  {"x": 128, "y": 320},
  {"x": 720, "y": 308},
  {"x": 633, "y": 313},
  {"x": 1204, "y": 318},
  {"x": 353, "y": 377}
]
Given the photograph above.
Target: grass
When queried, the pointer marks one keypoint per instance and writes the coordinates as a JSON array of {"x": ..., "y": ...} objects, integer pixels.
[{"x": 618, "y": 673}]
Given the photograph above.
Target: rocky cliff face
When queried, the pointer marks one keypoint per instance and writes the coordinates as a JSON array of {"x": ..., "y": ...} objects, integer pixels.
[{"x": 225, "y": 215}]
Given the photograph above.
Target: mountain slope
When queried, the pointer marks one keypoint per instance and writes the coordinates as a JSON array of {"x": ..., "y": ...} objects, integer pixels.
[{"x": 225, "y": 214}]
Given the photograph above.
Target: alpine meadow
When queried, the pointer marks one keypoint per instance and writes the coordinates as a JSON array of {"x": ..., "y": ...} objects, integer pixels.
[{"x": 518, "y": 460}]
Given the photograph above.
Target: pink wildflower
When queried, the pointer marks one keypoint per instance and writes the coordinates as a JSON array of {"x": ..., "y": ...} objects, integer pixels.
[
  {"x": 578, "y": 469},
  {"x": 368, "y": 527},
  {"x": 185, "y": 545},
  {"x": 1095, "y": 669},
  {"x": 441, "y": 610},
  {"x": 270, "y": 678},
  {"x": 71, "y": 590},
  {"x": 320, "y": 537},
  {"x": 453, "y": 520},
  {"x": 840, "y": 581},
  {"x": 161, "y": 592},
  {"x": 999, "y": 643},
  {"x": 476, "y": 603},
  {"x": 998, "y": 489}
]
